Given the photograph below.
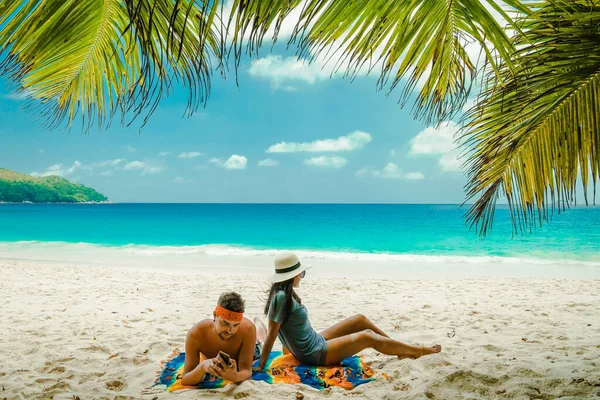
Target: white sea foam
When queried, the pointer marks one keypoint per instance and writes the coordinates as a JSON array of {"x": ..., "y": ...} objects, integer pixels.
[{"x": 225, "y": 251}]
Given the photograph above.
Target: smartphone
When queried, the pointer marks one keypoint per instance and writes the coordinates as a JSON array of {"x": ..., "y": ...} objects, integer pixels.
[{"x": 225, "y": 357}]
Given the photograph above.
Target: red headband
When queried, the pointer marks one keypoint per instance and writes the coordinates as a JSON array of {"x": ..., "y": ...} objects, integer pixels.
[{"x": 229, "y": 315}]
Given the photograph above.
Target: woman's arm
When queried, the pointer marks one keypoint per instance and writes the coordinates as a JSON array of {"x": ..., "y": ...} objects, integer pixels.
[{"x": 268, "y": 345}]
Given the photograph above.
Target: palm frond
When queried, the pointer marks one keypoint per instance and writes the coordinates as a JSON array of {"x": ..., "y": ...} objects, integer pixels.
[
  {"x": 89, "y": 58},
  {"x": 422, "y": 41},
  {"x": 534, "y": 136}
]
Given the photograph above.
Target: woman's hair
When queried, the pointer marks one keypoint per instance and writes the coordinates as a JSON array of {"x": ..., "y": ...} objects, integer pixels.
[{"x": 288, "y": 288}]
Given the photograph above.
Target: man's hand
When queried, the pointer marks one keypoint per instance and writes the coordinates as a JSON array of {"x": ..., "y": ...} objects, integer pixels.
[
  {"x": 227, "y": 372},
  {"x": 206, "y": 364},
  {"x": 196, "y": 375}
]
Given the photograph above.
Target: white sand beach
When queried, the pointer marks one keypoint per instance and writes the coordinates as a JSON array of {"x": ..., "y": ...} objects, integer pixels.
[{"x": 98, "y": 330}]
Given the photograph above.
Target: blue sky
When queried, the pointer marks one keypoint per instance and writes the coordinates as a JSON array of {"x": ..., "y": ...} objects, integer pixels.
[{"x": 288, "y": 133}]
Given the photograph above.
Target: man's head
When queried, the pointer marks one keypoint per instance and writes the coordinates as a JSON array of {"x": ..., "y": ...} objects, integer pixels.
[{"x": 228, "y": 314}]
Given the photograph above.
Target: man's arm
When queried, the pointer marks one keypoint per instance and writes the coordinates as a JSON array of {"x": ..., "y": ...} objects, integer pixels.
[
  {"x": 193, "y": 369},
  {"x": 247, "y": 354}
]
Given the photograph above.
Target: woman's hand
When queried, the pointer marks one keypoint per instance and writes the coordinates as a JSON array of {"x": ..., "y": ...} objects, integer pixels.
[{"x": 259, "y": 369}]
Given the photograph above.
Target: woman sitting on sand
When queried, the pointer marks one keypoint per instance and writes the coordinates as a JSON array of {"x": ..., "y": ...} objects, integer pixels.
[{"x": 288, "y": 320}]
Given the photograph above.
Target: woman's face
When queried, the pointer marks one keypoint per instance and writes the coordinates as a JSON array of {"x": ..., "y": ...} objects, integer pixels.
[{"x": 298, "y": 278}]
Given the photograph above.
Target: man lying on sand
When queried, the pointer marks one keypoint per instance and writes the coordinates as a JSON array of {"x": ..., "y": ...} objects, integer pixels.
[{"x": 228, "y": 332}]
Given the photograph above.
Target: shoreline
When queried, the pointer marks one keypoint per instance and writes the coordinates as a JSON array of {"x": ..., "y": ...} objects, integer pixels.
[
  {"x": 102, "y": 332},
  {"x": 326, "y": 263}
]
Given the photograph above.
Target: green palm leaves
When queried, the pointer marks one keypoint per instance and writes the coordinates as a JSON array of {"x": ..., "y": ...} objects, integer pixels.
[
  {"x": 421, "y": 41},
  {"x": 90, "y": 58},
  {"x": 96, "y": 57},
  {"x": 537, "y": 133},
  {"x": 531, "y": 137}
]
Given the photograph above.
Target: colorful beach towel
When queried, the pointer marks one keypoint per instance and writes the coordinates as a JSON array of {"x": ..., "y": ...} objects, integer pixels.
[{"x": 280, "y": 369}]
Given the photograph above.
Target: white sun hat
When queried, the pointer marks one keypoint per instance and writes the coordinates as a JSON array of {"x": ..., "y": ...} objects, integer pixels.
[{"x": 287, "y": 266}]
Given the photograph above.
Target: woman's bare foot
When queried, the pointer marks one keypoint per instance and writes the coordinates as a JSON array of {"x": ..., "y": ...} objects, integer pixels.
[
  {"x": 425, "y": 351},
  {"x": 431, "y": 350}
]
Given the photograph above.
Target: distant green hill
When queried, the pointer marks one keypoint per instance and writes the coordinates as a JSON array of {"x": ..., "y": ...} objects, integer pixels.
[{"x": 17, "y": 188}]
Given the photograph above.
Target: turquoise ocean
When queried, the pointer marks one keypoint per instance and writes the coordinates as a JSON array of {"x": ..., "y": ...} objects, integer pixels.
[{"x": 323, "y": 229}]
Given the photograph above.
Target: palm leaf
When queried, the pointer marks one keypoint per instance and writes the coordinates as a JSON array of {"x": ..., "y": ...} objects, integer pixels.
[
  {"x": 88, "y": 57},
  {"x": 537, "y": 134},
  {"x": 422, "y": 41}
]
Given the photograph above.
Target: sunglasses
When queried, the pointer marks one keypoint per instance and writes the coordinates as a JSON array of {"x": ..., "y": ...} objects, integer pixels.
[{"x": 303, "y": 274}]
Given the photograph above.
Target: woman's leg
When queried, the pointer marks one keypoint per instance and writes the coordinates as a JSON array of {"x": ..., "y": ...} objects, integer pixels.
[
  {"x": 261, "y": 329},
  {"x": 342, "y": 347},
  {"x": 356, "y": 323},
  {"x": 261, "y": 332}
]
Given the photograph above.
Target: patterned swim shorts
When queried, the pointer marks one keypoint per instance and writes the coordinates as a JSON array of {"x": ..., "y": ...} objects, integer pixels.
[{"x": 258, "y": 347}]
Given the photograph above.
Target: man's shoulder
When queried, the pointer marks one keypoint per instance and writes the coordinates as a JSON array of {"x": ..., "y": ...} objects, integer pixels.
[
  {"x": 201, "y": 328},
  {"x": 247, "y": 327}
]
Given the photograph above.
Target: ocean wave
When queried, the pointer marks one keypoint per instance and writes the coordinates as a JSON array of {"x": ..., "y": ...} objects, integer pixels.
[{"x": 216, "y": 250}]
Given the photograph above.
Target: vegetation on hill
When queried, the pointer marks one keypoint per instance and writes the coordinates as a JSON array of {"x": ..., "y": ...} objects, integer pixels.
[{"x": 16, "y": 187}]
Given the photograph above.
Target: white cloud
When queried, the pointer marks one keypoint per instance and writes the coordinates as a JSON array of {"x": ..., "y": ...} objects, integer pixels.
[
  {"x": 439, "y": 141},
  {"x": 434, "y": 140},
  {"x": 327, "y": 162},
  {"x": 363, "y": 171},
  {"x": 61, "y": 170},
  {"x": 233, "y": 162},
  {"x": 352, "y": 141},
  {"x": 192, "y": 154},
  {"x": 268, "y": 162},
  {"x": 145, "y": 166},
  {"x": 451, "y": 162},
  {"x": 164, "y": 153},
  {"x": 130, "y": 149},
  {"x": 279, "y": 70},
  {"x": 134, "y": 165},
  {"x": 153, "y": 169},
  {"x": 236, "y": 162},
  {"x": 179, "y": 179},
  {"x": 414, "y": 176},
  {"x": 109, "y": 163},
  {"x": 392, "y": 171},
  {"x": 77, "y": 166}
]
